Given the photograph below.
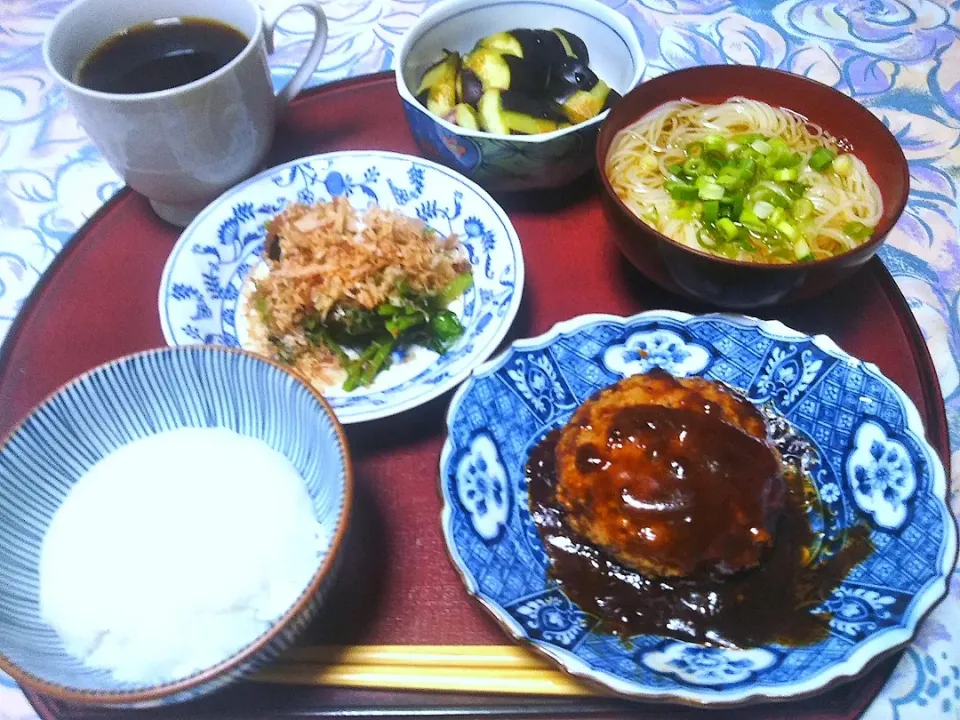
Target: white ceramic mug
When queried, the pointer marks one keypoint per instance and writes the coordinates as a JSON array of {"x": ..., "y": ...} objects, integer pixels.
[{"x": 183, "y": 146}]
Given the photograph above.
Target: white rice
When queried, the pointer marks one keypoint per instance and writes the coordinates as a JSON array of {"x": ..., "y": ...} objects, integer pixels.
[{"x": 175, "y": 551}]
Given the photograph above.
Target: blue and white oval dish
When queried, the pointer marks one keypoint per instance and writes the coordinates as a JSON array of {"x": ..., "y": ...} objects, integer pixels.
[
  {"x": 200, "y": 299},
  {"x": 872, "y": 464},
  {"x": 116, "y": 404}
]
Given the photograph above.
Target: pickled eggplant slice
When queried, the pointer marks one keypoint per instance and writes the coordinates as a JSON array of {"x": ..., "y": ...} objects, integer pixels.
[
  {"x": 507, "y": 111},
  {"x": 439, "y": 85},
  {"x": 504, "y": 42},
  {"x": 497, "y": 71},
  {"x": 542, "y": 46},
  {"x": 437, "y": 71},
  {"x": 585, "y": 104},
  {"x": 490, "y": 112},
  {"x": 466, "y": 117},
  {"x": 469, "y": 87},
  {"x": 573, "y": 45},
  {"x": 569, "y": 76}
]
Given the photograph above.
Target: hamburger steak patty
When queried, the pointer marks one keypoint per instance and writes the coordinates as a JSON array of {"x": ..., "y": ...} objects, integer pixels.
[{"x": 671, "y": 476}]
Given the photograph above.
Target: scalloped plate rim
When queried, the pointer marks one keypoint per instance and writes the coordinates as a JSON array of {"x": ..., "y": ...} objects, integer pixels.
[
  {"x": 881, "y": 644},
  {"x": 375, "y": 412}
]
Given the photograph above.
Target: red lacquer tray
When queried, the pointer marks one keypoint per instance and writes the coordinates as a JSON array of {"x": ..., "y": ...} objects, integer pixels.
[{"x": 99, "y": 301}]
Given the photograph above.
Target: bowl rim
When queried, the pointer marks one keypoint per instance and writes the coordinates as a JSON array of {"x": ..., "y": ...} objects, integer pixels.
[
  {"x": 441, "y": 12},
  {"x": 850, "y": 106},
  {"x": 159, "y": 692}
]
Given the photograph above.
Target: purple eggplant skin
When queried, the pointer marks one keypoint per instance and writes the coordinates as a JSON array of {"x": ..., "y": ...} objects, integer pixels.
[
  {"x": 569, "y": 76},
  {"x": 470, "y": 87},
  {"x": 577, "y": 46}
]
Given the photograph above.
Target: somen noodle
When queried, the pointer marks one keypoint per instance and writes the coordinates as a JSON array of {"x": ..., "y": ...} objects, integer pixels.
[{"x": 744, "y": 180}]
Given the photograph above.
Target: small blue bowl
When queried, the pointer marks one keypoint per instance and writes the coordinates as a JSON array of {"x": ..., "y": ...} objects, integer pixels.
[
  {"x": 514, "y": 162},
  {"x": 117, "y": 403}
]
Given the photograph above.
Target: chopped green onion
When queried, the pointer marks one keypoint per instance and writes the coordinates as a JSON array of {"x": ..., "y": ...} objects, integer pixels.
[
  {"x": 857, "y": 230},
  {"x": 681, "y": 191},
  {"x": 795, "y": 189},
  {"x": 749, "y": 219},
  {"x": 748, "y": 166},
  {"x": 694, "y": 167},
  {"x": 788, "y": 230},
  {"x": 763, "y": 209},
  {"x": 761, "y": 146},
  {"x": 727, "y": 227},
  {"x": 778, "y": 143},
  {"x": 786, "y": 175},
  {"x": 771, "y": 196},
  {"x": 732, "y": 147},
  {"x": 801, "y": 250},
  {"x": 843, "y": 165},
  {"x": 650, "y": 213},
  {"x": 788, "y": 160},
  {"x": 675, "y": 169},
  {"x": 821, "y": 159},
  {"x": 730, "y": 182},
  {"x": 711, "y": 192},
  {"x": 714, "y": 143},
  {"x": 706, "y": 239},
  {"x": 777, "y": 216},
  {"x": 711, "y": 210},
  {"x": 736, "y": 204},
  {"x": 802, "y": 209}
]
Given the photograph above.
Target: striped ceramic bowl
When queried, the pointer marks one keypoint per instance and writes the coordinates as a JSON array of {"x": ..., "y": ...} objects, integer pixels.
[{"x": 130, "y": 398}]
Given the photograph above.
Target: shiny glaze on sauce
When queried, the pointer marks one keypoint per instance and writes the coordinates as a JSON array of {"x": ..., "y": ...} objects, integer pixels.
[
  {"x": 770, "y": 603},
  {"x": 669, "y": 470}
]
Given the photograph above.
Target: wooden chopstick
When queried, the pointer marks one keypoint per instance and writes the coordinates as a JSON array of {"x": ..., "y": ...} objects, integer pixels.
[
  {"x": 464, "y": 656},
  {"x": 451, "y": 668},
  {"x": 415, "y": 677}
]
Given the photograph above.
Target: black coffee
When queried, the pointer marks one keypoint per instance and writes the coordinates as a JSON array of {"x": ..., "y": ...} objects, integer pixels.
[{"x": 160, "y": 55}]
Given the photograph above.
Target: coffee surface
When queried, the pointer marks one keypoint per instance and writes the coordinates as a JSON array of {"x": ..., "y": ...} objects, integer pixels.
[{"x": 160, "y": 55}]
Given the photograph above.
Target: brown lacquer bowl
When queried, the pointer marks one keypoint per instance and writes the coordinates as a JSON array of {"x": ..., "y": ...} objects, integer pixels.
[{"x": 738, "y": 284}]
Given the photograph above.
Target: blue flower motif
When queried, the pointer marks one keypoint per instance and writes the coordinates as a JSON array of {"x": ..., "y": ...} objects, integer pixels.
[
  {"x": 643, "y": 351},
  {"x": 553, "y": 618},
  {"x": 481, "y": 486},
  {"x": 830, "y": 493},
  {"x": 882, "y": 475},
  {"x": 855, "y": 610},
  {"x": 335, "y": 184},
  {"x": 473, "y": 227},
  {"x": 712, "y": 666},
  {"x": 887, "y": 475}
]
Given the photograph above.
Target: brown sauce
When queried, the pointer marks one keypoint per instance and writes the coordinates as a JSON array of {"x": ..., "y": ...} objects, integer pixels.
[
  {"x": 772, "y": 603},
  {"x": 663, "y": 473}
]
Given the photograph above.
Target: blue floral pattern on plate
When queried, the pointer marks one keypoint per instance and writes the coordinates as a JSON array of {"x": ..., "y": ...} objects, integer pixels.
[
  {"x": 201, "y": 298},
  {"x": 869, "y": 461}
]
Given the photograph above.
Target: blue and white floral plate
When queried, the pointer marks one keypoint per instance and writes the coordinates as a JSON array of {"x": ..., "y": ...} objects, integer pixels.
[
  {"x": 200, "y": 292},
  {"x": 872, "y": 463}
]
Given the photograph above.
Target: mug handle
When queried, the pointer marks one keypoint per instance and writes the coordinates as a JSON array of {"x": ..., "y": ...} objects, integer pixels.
[{"x": 271, "y": 16}]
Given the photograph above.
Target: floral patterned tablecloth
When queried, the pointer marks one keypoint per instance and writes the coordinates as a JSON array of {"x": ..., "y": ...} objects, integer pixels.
[{"x": 900, "y": 58}]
